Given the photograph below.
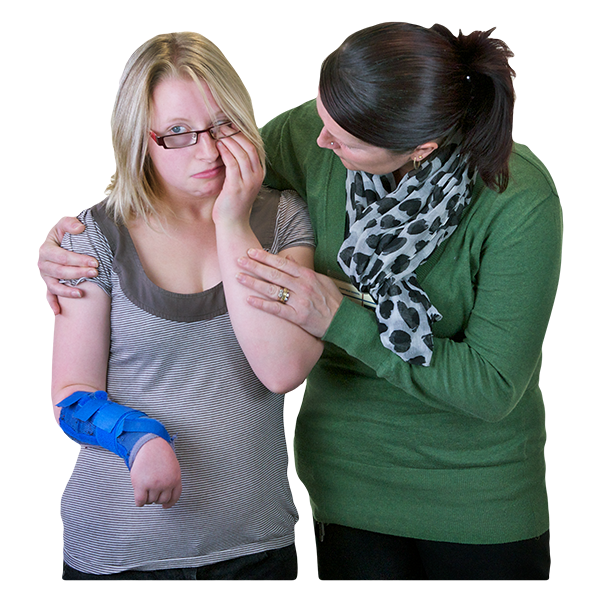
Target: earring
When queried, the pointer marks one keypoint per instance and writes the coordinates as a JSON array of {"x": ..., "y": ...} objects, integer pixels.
[
  {"x": 417, "y": 162},
  {"x": 331, "y": 143}
]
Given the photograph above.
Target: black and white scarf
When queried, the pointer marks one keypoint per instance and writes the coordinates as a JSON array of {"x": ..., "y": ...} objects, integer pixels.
[{"x": 390, "y": 232}]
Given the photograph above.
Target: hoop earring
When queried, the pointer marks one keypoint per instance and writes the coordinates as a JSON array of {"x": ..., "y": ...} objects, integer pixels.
[{"x": 417, "y": 162}]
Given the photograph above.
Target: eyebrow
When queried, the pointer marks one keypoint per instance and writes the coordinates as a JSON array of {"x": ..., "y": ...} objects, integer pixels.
[{"x": 214, "y": 119}]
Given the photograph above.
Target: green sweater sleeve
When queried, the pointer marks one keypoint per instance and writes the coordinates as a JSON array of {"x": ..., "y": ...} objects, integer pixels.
[
  {"x": 485, "y": 370},
  {"x": 289, "y": 142}
]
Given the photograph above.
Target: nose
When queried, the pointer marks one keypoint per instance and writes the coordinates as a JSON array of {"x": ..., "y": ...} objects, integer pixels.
[
  {"x": 325, "y": 140},
  {"x": 206, "y": 148}
]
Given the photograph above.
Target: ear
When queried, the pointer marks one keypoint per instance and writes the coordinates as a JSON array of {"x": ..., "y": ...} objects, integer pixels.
[{"x": 423, "y": 151}]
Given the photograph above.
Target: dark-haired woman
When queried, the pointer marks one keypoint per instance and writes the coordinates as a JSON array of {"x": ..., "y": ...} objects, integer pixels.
[
  {"x": 420, "y": 438},
  {"x": 421, "y": 434}
]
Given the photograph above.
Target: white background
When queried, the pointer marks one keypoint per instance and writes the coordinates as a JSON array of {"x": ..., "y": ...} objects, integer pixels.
[{"x": 60, "y": 70}]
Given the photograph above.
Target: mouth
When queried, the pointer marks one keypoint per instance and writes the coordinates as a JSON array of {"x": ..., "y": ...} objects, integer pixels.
[{"x": 209, "y": 173}]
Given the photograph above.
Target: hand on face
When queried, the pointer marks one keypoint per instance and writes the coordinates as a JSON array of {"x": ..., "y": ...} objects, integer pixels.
[{"x": 244, "y": 175}]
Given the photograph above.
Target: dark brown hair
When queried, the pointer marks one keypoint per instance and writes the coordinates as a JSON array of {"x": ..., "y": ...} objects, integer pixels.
[{"x": 397, "y": 85}]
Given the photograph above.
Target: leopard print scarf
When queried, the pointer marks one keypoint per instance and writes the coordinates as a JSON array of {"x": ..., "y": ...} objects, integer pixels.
[{"x": 390, "y": 232}]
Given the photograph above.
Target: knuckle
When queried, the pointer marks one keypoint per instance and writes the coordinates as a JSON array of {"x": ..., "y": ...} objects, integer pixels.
[
  {"x": 306, "y": 290},
  {"x": 305, "y": 304},
  {"x": 308, "y": 274},
  {"x": 279, "y": 261},
  {"x": 275, "y": 275}
]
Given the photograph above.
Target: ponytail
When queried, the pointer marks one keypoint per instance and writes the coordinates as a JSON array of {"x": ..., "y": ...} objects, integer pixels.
[
  {"x": 488, "y": 110},
  {"x": 397, "y": 86}
]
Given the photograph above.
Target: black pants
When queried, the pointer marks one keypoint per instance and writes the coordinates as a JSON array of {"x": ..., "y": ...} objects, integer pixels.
[
  {"x": 346, "y": 553},
  {"x": 270, "y": 565}
]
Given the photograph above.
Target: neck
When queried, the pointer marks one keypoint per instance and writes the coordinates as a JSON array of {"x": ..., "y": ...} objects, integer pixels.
[
  {"x": 178, "y": 213},
  {"x": 402, "y": 171}
]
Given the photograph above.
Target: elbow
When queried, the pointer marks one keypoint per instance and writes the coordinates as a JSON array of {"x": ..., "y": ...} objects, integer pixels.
[
  {"x": 497, "y": 404},
  {"x": 281, "y": 383},
  {"x": 496, "y": 414},
  {"x": 283, "y": 378}
]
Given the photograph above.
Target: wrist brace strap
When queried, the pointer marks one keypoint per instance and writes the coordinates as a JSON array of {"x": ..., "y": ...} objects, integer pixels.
[{"x": 93, "y": 420}]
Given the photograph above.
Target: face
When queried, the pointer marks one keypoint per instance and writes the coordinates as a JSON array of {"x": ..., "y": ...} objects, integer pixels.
[
  {"x": 195, "y": 171},
  {"x": 355, "y": 154}
]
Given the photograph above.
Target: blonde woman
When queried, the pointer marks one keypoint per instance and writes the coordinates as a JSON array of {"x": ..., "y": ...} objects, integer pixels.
[{"x": 174, "y": 392}]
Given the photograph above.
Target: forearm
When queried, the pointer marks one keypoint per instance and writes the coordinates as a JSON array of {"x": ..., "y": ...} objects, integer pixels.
[
  {"x": 484, "y": 367},
  {"x": 280, "y": 353},
  {"x": 459, "y": 379}
]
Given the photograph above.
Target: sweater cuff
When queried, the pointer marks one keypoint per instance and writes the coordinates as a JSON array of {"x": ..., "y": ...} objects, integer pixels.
[{"x": 354, "y": 329}]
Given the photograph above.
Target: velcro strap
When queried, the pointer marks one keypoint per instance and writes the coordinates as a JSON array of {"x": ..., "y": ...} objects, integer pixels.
[
  {"x": 147, "y": 426},
  {"x": 110, "y": 415}
]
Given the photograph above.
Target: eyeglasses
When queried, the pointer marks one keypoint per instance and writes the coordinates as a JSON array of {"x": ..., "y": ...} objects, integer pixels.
[{"x": 189, "y": 138}]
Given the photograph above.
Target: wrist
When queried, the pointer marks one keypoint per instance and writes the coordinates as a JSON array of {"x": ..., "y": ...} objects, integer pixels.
[{"x": 230, "y": 229}]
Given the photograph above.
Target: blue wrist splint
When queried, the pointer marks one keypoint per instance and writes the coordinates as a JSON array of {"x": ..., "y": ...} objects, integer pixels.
[{"x": 93, "y": 420}]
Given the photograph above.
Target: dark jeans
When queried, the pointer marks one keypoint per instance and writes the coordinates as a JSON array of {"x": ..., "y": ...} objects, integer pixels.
[
  {"x": 346, "y": 553},
  {"x": 272, "y": 564}
]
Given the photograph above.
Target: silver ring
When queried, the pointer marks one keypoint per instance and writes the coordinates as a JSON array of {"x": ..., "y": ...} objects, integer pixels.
[{"x": 283, "y": 295}]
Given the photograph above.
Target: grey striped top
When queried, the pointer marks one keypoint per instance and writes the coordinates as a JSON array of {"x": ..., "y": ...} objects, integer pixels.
[{"x": 176, "y": 357}]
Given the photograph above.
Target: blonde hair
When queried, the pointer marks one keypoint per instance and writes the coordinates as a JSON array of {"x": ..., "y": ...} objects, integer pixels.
[{"x": 134, "y": 190}]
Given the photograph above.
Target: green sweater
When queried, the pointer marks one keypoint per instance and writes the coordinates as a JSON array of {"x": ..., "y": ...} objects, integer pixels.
[{"x": 454, "y": 451}]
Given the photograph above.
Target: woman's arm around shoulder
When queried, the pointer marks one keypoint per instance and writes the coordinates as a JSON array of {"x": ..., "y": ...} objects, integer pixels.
[{"x": 56, "y": 263}]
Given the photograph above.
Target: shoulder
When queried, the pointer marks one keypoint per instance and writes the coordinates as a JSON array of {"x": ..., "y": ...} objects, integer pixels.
[
  {"x": 293, "y": 212},
  {"x": 304, "y": 113},
  {"x": 528, "y": 174},
  {"x": 530, "y": 189},
  {"x": 528, "y": 208},
  {"x": 93, "y": 234},
  {"x": 299, "y": 124},
  {"x": 93, "y": 242},
  {"x": 280, "y": 219}
]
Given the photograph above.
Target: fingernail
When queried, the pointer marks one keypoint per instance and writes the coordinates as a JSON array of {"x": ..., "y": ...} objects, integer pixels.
[
  {"x": 76, "y": 294},
  {"x": 93, "y": 263},
  {"x": 92, "y": 273},
  {"x": 242, "y": 260},
  {"x": 253, "y": 252}
]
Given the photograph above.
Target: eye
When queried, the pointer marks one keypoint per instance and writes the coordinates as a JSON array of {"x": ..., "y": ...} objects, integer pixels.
[{"x": 177, "y": 129}]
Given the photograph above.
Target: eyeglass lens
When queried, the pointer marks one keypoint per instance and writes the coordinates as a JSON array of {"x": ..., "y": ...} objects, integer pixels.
[{"x": 181, "y": 140}]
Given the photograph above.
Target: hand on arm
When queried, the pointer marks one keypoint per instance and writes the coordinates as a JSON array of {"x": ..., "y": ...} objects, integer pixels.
[
  {"x": 80, "y": 359},
  {"x": 280, "y": 353},
  {"x": 56, "y": 263},
  {"x": 314, "y": 298}
]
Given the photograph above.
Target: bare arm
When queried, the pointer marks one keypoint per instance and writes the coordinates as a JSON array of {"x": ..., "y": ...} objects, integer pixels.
[
  {"x": 79, "y": 363},
  {"x": 280, "y": 353},
  {"x": 81, "y": 345},
  {"x": 56, "y": 263}
]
